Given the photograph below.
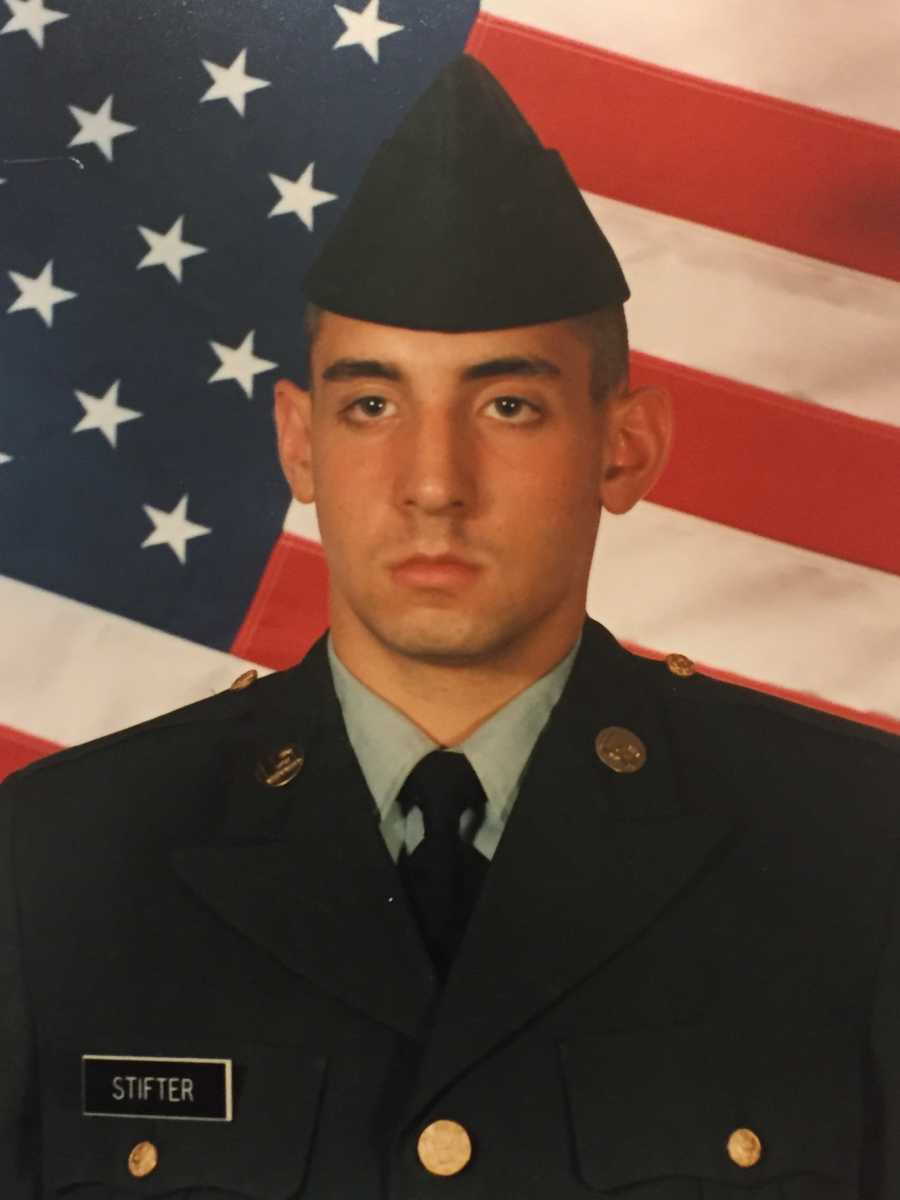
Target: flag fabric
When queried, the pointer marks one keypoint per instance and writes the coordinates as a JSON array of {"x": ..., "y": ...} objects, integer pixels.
[{"x": 170, "y": 169}]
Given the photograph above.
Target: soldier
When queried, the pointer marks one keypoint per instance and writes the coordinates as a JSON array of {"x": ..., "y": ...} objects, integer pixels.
[{"x": 471, "y": 902}]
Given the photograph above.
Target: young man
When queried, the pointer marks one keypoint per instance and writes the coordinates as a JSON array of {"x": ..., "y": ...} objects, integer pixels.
[{"x": 471, "y": 902}]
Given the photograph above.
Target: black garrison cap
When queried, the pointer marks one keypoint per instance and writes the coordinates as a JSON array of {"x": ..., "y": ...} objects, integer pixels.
[{"x": 463, "y": 222}]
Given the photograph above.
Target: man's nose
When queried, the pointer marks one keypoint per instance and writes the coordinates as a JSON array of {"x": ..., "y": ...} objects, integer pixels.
[{"x": 438, "y": 463}]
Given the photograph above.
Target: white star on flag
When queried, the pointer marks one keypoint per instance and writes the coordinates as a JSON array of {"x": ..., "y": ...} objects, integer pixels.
[
  {"x": 364, "y": 28},
  {"x": 232, "y": 83},
  {"x": 240, "y": 363},
  {"x": 168, "y": 249},
  {"x": 104, "y": 413},
  {"x": 5, "y": 458},
  {"x": 39, "y": 293},
  {"x": 172, "y": 529},
  {"x": 30, "y": 16},
  {"x": 99, "y": 128},
  {"x": 299, "y": 196}
]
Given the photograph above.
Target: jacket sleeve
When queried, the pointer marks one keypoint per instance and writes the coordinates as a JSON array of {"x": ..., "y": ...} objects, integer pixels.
[
  {"x": 881, "y": 1163},
  {"x": 18, "y": 1099}
]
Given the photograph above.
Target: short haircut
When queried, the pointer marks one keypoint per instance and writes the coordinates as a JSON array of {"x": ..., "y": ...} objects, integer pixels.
[{"x": 604, "y": 331}]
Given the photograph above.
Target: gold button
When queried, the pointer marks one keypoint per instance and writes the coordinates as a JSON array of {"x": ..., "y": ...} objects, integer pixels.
[
  {"x": 244, "y": 680},
  {"x": 444, "y": 1148},
  {"x": 143, "y": 1159},
  {"x": 744, "y": 1148},
  {"x": 680, "y": 664},
  {"x": 621, "y": 750},
  {"x": 281, "y": 767}
]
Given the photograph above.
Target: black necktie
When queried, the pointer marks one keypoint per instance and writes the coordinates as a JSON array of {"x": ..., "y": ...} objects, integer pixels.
[{"x": 444, "y": 873}]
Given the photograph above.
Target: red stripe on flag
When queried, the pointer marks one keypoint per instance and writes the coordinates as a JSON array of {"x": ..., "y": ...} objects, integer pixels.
[
  {"x": 807, "y": 699},
  {"x": 779, "y": 467},
  {"x": 790, "y": 175},
  {"x": 18, "y": 749},
  {"x": 290, "y": 608}
]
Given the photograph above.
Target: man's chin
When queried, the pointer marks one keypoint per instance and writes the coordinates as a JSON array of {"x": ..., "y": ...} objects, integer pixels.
[{"x": 436, "y": 634}]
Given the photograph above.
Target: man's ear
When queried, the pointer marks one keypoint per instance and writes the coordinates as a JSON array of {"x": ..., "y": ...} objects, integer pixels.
[
  {"x": 638, "y": 440},
  {"x": 293, "y": 417}
]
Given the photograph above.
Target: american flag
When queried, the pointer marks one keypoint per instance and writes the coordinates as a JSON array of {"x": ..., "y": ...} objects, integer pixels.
[{"x": 170, "y": 169}]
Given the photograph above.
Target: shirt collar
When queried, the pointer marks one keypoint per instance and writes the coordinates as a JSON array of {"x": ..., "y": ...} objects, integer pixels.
[{"x": 388, "y": 744}]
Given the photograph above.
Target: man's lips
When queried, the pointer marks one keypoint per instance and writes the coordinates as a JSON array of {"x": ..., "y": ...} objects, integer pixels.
[
  {"x": 440, "y": 570},
  {"x": 434, "y": 560}
]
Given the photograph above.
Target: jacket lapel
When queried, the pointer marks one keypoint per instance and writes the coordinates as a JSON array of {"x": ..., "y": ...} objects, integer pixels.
[
  {"x": 588, "y": 859},
  {"x": 302, "y": 870}
]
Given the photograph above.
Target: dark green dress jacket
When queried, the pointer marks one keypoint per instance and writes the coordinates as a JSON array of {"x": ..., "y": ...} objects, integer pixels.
[{"x": 658, "y": 959}]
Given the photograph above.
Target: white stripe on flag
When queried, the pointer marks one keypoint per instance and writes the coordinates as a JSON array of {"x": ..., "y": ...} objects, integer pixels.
[
  {"x": 752, "y": 312},
  {"x": 302, "y": 521},
  {"x": 831, "y": 55},
  {"x": 83, "y": 672},
  {"x": 770, "y": 612}
]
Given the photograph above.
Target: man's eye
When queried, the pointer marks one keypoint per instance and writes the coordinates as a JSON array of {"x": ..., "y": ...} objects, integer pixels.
[
  {"x": 365, "y": 403},
  {"x": 511, "y": 406}
]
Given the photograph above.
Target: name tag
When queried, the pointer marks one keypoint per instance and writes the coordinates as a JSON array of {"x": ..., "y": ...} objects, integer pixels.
[{"x": 177, "y": 1089}]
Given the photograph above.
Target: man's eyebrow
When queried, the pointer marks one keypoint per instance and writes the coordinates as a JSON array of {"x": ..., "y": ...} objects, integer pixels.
[
  {"x": 360, "y": 368},
  {"x": 369, "y": 368},
  {"x": 519, "y": 365}
]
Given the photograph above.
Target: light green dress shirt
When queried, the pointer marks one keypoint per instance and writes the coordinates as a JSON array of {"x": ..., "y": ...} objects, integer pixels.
[{"x": 388, "y": 745}]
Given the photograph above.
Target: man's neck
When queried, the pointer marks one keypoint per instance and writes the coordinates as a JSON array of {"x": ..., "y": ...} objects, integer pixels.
[{"x": 448, "y": 701}]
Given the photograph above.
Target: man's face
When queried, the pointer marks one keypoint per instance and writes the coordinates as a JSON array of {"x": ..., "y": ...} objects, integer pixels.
[{"x": 486, "y": 446}]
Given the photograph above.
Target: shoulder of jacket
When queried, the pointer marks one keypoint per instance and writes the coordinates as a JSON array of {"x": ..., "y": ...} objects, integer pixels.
[
  {"x": 208, "y": 719},
  {"x": 777, "y": 763},
  {"x": 731, "y": 704}
]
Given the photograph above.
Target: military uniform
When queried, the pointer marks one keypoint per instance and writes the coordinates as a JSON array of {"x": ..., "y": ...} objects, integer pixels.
[{"x": 681, "y": 979}]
